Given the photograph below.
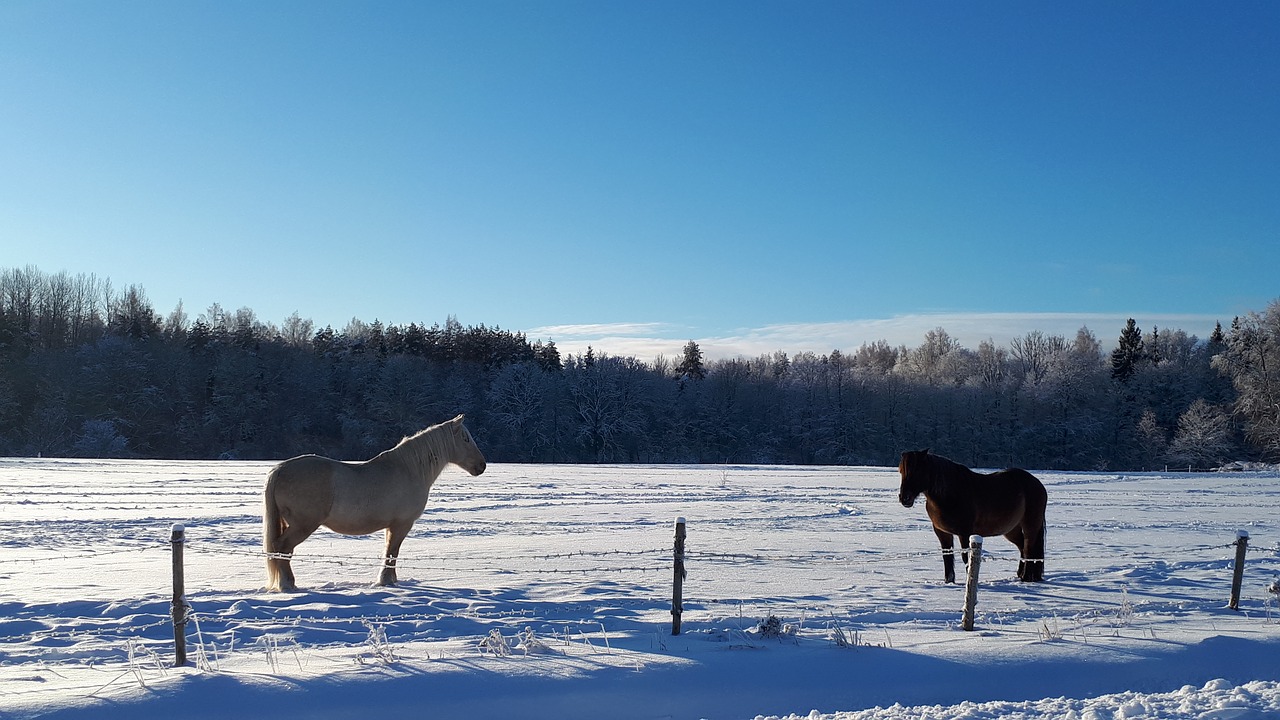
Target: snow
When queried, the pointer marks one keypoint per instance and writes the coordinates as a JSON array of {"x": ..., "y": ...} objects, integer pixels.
[{"x": 544, "y": 591}]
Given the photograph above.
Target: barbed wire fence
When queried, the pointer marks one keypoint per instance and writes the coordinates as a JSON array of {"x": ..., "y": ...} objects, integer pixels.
[{"x": 656, "y": 560}]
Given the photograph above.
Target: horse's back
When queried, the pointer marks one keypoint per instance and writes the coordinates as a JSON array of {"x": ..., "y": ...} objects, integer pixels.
[
  {"x": 304, "y": 469},
  {"x": 1029, "y": 485},
  {"x": 352, "y": 498},
  {"x": 1027, "y": 488},
  {"x": 304, "y": 484},
  {"x": 1002, "y": 500}
]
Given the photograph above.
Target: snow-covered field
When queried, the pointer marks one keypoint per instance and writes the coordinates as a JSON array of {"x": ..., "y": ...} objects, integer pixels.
[{"x": 539, "y": 591}]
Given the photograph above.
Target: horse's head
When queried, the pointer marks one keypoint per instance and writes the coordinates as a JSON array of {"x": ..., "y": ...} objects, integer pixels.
[
  {"x": 465, "y": 454},
  {"x": 916, "y": 478}
]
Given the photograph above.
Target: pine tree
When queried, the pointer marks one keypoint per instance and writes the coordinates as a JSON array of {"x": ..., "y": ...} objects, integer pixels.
[
  {"x": 1127, "y": 355},
  {"x": 1217, "y": 340},
  {"x": 691, "y": 364},
  {"x": 547, "y": 356}
]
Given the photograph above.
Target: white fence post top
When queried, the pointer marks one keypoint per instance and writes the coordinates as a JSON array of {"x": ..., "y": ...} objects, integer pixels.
[
  {"x": 680, "y": 521},
  {"x": 1242, "y": 534},
  {"x": 178, "y": 528},
  {"x": 975, "y": 539}
]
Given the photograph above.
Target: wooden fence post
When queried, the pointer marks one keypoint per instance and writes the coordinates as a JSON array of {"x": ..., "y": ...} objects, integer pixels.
[
  {"x": 971, "y": 584},
  {"x": 1237, "y": 577},
  {"x": 677, "y": 584},
  {"x": 177, "y": 539}
]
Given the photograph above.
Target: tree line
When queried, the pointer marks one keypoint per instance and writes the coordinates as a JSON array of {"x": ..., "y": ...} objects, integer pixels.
[{"x": 89, "y": 370}]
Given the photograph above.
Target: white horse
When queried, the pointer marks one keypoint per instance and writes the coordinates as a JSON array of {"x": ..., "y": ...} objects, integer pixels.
[{"x": 390, "y": 491}]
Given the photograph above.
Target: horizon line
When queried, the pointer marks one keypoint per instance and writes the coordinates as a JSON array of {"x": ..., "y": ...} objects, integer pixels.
[{"x": 650, "y": 340}]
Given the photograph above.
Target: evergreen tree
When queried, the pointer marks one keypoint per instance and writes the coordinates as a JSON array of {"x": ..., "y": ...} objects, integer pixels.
[
  {"x": 547, "y": 356},
  {"x": 1127, "y": 355},
  {"x": 1217, "y": 340},
  {"x": 1153, "y": 347},
  {"x": 84, "y": 370},
  {"x": 691, "y": 363}
]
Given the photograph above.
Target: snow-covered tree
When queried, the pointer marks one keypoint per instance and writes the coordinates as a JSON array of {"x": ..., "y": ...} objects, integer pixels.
[
  {"x": 1128, "y": 353},
  {"x": 690, "y": 365},
  {"x": 1252, "y": 360},
  {"x": 519, "y": 403},
  {"x": 934, "y": 360},
  {"x": 606, "y": 406},
  {"x": 1203, "y": 437},
  {"x": 1152, "y": 438}
]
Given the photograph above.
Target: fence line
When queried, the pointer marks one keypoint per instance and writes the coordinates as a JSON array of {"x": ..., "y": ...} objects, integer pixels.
[
  {"x": 685, "y": 557},
  {"x": 88, "y": 553},
  {"x": 692, "y": 555},
  {"x": 878, "y": 557},
  {"x": 439, "y": 562},
  {"x": 113, "y": 632},
  {"x": 133, "y": 632},
  {"x": 866, "y": 557}
]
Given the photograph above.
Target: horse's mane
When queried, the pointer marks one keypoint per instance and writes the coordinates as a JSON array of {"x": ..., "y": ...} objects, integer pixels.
[
  {"x": 938, "y": 462},
  {"x": 941, "y": 471},
  {"x": 425, "y": 449}
]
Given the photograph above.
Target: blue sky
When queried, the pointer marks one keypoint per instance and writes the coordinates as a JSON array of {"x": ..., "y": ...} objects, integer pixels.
[{"x": 754, "y": 176}]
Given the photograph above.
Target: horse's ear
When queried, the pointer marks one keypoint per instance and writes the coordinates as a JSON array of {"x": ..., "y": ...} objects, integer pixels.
[
  {"x": 924, "y": 451},
  {"x": 457, "y": 420}
]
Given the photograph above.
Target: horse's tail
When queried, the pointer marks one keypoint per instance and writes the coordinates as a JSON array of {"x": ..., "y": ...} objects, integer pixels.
[{"x": 272, "y": 526}]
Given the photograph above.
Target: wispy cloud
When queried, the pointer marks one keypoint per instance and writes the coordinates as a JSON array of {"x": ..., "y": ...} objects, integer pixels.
[
  {"x": 602, "y": 330},
  {"x": 649, "y": 340}
]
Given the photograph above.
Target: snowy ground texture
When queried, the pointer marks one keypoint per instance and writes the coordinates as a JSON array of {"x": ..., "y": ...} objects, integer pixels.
[{"x": 539, "y": 591}]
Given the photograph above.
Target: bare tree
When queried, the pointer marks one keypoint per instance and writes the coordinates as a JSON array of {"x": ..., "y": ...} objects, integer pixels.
[
  {"x": 130, "y": 314},
  {"x": 87, "y": 316},
  {"x": 992, "y": 363},
  {"x": 518, "y": 398},
  {"x": 1203, "y": 437},
  {"x": 19, "y": 290},
  {"x": 54, "y": 321},
  {"x": 297, "y": 332},
  {"x": 1252, "y": 359},
  {"x": 604, "y": 400},
  {"x": 932, "y": 360},
  {"x": 1152, "y": 437},
  {"x": 1035, "y": 353},
  {"x": 175, "y": 325},
  {"x": 876, "y": 358}
]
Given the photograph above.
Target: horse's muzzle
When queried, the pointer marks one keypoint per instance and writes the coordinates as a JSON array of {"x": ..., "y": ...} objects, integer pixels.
[{"x": 907, "y": 500}]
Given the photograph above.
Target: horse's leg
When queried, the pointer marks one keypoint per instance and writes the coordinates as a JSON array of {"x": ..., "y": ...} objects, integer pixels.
[
  {"x": 396, "y": 533},
  {"x": 1034, "y": 553},
  {"x": 964, "y": 550},
  {"x": 948, "y": 554},
  {"x": 292, "y": 536},
  {"x": 1035, "y": 527},
  {"x": 1016, "y": 537}
]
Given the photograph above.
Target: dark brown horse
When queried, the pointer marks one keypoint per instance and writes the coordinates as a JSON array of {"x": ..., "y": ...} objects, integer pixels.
[{"x": 962, "y": 502}]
